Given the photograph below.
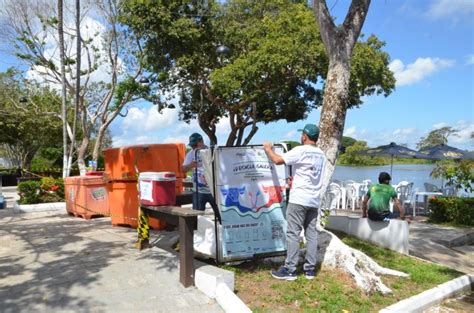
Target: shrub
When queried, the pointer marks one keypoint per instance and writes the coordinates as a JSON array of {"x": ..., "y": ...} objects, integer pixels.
[
  {"x": 452, "y": 210},
  {"x": 48, "y": 189},
  {"x": 29, "y": 192}
]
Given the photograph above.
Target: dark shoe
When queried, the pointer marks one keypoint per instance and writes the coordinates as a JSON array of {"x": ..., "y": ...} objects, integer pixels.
[
  {"x": 309, "y": 274},
  {"x": 284, "y": 274}
]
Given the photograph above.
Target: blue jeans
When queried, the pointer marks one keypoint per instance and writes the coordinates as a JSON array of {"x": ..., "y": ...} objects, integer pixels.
[
  {"x": 382, "y": 216},
  {"x": 200, "y": 200}
]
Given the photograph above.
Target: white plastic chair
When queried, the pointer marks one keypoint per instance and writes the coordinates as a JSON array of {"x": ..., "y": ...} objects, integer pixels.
[
  {"x": 332, "y": 198},
  {"x": 352, "y": 197},
  {"x": 405, "y": 193},
  {"x": 364, "y": 187},
  {"x": 348, "y": 182},
  {"x": 449, "y": 191}
]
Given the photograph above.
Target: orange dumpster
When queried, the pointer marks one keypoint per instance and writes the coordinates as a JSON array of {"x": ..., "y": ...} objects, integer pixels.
[
  {"x": 70, "y": 192},
  {"x": 86, "y": 196},
  {"x": 123, "y": 197},
  {"x": 121, "y": 165}
]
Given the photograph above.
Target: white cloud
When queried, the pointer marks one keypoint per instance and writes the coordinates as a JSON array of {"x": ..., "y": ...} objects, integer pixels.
[
  {"x": 417, "y": 71},
  {"x": 291, "y": 133},
  {"x": 148, "y": 119},
  {"x": 462, "y": 139},
  {"x": 146, "y": 125},
  {"x": 350, "y": 132},
  {"x": 223, "y": 128},
  {"x": 470, "y": 59},
  {"x": 440, "y": 125},
  {"x": 450, "y": 8}
]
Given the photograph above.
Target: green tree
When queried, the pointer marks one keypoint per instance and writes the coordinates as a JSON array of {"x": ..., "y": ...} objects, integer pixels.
[
  {"x": 345, "y": 143},
  {"x": 459, "y": 174},
  {"x": 29, "y": 117},
  {"x": 351, "y": 156},
  {"x": 34, "y": 31},
  {"x": 436, "y": 137},
  {"x": 272, "y": 73}
]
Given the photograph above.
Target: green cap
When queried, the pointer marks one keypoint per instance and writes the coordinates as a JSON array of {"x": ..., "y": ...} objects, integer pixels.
[
  {"x": 311, "y": 130},
  {"x": 194, "y": 139}
]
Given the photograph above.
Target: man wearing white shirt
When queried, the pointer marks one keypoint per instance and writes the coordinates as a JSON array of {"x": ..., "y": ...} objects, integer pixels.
[
  {"x": 308, "y": 163},
  {"x": 201, "y": 192}
]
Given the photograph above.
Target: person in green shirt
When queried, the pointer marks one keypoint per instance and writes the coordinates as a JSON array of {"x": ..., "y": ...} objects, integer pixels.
[{"x": 379, "y": 204}]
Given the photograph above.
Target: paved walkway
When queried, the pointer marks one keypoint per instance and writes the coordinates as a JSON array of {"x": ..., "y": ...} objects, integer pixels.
[
  {"x": 51, "y": 262},
  {"x": 425, "y": 242}
]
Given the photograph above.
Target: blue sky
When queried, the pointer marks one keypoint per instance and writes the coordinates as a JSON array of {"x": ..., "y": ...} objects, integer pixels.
[{"x": 431, "y": 44}]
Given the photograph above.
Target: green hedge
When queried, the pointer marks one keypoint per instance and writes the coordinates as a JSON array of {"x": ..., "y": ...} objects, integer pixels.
[
  {"x": 48, "y": 189},
  {"x": 452, "y": 210}
]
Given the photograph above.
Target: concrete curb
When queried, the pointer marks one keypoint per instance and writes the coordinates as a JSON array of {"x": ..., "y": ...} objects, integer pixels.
[
  {"x": 40, "y": 207},
  {"x": 432, "y": 297},
  {"x": 218, "y": 284}
]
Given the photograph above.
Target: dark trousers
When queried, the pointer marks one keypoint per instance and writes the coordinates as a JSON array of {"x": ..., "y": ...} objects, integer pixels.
[{"x": 201, "y": 199}]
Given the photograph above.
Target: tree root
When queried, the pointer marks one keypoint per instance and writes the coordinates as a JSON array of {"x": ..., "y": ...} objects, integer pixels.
[{"x": 332, "y": 252}]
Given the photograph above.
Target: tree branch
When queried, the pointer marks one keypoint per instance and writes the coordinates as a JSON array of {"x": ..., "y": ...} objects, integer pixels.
[{"x": 354, "y": 21}]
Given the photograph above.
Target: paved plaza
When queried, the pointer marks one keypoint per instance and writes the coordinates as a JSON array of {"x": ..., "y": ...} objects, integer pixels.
[{"x": 51, "y": 262}]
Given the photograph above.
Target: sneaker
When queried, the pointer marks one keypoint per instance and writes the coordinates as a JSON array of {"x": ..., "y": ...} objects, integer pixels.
[
  {"x": 309, "y": 274},
  {"x": 284, "y": 274}
]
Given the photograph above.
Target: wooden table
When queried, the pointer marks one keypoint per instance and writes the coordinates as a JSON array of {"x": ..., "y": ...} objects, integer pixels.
[{"x": 186, "y": 220}]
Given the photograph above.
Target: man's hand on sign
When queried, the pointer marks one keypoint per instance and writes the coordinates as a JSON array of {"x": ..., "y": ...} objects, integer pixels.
[
  {"x": 289, "y": 181},
  {"x": 267, "y": 146},
  {"x": 193, "y": 164}
]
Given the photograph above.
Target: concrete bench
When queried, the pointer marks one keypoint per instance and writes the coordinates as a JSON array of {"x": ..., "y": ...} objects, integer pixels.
[{"x": 392, "y": 235}]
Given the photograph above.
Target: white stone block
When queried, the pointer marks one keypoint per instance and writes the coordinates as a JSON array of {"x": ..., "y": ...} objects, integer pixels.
[
  {"x": 208, "y": 277},
  {"x": 229, "y": 302},
  {"x": 392, "y": 235}
]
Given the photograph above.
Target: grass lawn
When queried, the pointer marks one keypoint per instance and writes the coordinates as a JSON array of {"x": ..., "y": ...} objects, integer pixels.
[{"x": 332, "y": 290}]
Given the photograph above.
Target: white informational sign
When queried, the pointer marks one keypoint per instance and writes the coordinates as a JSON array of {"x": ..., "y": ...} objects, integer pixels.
[
  {"x": 146, "y": 190},
  {"x": 251, "y": 196}
]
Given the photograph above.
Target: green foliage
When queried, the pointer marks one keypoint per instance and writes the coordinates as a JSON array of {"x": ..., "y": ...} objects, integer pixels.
[
  {"x": 351, "y": 157},
  {"x": 452, "y": 210},
  {"x": 277, "y": 60},
  {"x": 27, "y": 126},
  {"x": 460, "y": 175},
  {"x": 29, "y": 192},
  {"x": 128, "y": 86},
  {"x": 46, "y": 190},
  {"x": 436, "y": 137},
  {"x": 291, "y": 144},
  {"x": 346, "y": 142}
]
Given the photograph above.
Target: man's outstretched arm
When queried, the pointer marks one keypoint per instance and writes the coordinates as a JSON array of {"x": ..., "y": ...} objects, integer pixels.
[{"x": 276, "y": 158}]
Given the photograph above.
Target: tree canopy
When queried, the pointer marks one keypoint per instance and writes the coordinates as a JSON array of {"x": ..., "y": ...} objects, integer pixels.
[
  {"x": 29, "y": 117},
  {"x": 275, "y": 70},
  {"x": 436, "y": 137}
]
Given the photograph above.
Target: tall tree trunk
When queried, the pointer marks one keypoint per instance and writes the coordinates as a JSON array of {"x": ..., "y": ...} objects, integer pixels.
[
  {"x": 98, "y": 143},
  {"x": 82, "y": 150},
  {"x": 333, "y": 114},
  {"x": 81, "y": 155},
  {"x": 63, "y": 89},
  {"x": 339, "y": 42},
  {"x": 77, "y": 98}
]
